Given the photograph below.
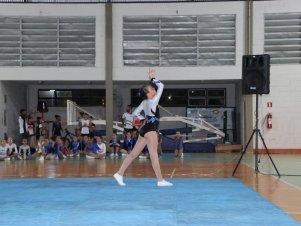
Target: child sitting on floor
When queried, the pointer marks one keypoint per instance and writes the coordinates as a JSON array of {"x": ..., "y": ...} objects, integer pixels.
[
  {"x": 59, "y": 148},
  {"x": 49, "y": 149},
  {"x": 101, "y": 147},
  {"x": 12, "y": 150},
  {"x": 91, "y": 149},
  {"x": 40, "y": 149},
  {"x": 75, "y": 147},
  {"x": 114, "y": 145},
  {"x": 144, "y": 154},
  {"x": 24, "y": 149},
  {"x": 3, "y": 151},
  {"x": 128, "y": 143}
]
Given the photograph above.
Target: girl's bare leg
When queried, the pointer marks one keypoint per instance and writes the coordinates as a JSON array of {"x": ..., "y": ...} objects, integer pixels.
[
  {"x": 124, "y": 151},
  {"x": 101, "y": 155},
  {"x": 152, "y": 144},
  {"x": 128, "y": 160},
  {"x": 91, "y": 154},
  {"x": 151, "y": 140},
  {"x": 132, "y": 156}
]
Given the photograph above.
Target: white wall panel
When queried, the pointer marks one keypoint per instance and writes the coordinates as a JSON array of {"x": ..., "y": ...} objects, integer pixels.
[
  {"x": 121, "y": 72},
  {"x": 3, "y": 127},
  {"x": 16, "y": 99},
  {"x": 285, "y": 85},
  {"x": 59, "y": 73}
]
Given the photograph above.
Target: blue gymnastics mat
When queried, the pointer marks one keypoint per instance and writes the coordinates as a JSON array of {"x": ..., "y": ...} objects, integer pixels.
[{"x": 101, "y": 202}]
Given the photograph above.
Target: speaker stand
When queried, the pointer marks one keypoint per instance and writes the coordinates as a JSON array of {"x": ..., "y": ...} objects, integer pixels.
[{"x": 257, "y": 134}]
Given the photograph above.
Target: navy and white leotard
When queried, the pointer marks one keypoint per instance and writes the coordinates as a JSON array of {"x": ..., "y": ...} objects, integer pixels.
[{"x": 151, "y": 110}]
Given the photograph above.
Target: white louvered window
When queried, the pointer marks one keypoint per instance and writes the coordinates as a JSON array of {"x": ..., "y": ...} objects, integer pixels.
[
  {"x": 282, "y": 37},
  {"x": 204, "y": 40},
  {"x": 47, "y": 41},
  {"x": 10, "y": 35}
]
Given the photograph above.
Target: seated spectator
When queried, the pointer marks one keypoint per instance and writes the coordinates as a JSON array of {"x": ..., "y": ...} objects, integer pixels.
[
  {"x": 91, "y": 149},
  {"x": 40, "y": 149},
  {"x": 49, "y": 149},
  {"x": 101, "y": 147},
  {"x": 3, "y": 151},
  {"x": 144, "y": 154},
  {"x": 59, "y": 150},
  {"x": 75, "y": 149},
  {"x": 24, "y": 149},
  {"x": 12, "y": 150},
  {"x": 128, "y": 144},
  {"x": 135, "y": 134},
  {"x": 114, "y": 145}
]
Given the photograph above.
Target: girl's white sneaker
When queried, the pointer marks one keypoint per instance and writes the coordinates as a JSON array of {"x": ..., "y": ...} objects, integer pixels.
[
  {"x": 119, "y": 179},
  {"x": 164, "y": 183}
]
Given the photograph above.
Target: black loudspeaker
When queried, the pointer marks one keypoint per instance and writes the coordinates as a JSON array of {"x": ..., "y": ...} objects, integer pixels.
[{"x": 256, "y": 74}]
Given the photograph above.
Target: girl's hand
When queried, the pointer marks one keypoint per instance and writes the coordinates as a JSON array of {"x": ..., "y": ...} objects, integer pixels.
[{"x": 151, "y": 75}]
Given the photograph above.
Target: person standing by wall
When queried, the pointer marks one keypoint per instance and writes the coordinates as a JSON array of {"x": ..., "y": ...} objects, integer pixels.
[
  {"x": 85, "y": 125},
  {"x": 179, "y": 145},
  {"x": 127, "y": 120},
  {"x": 23, "y": 127},
  {"x": 57, "y": 127}
]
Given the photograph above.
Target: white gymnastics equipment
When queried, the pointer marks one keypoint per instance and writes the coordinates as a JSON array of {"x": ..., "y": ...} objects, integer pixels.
[
  {"x": 198, "y": 127},
  {"x": 73, "y": 115}
]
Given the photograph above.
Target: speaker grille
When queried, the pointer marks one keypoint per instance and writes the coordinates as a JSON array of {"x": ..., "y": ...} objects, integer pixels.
[{"x": 256, "y": 73}]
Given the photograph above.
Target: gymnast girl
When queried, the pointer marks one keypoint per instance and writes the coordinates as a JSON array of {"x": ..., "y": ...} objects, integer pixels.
[{"x": 148, "y": 132}]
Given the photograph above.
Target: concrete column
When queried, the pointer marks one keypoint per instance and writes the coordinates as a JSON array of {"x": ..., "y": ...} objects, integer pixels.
[
  {"x": 3, "y": 128},
  {"x": 109, "y": 73},
  {"x": 248, "y": 99}
]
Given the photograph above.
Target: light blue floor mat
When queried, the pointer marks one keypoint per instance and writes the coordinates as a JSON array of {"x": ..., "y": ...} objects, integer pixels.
[{"x": 101, "y": 202}]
